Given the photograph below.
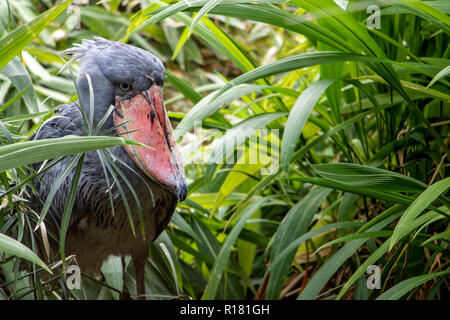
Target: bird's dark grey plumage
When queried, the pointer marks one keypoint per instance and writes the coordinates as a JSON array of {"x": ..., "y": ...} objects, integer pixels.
[{"x": 94, "y": 232}]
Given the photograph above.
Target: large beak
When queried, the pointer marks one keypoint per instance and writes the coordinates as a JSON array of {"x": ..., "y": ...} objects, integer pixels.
[{"x": 151, "y": 126}]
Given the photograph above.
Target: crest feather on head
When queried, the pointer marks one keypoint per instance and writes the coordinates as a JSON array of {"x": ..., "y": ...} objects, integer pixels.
[
  {"x": 80, "y": 49},
  {"x": 110, "y": 53}
]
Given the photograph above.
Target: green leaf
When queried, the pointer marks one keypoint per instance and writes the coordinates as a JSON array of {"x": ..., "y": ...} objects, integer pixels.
[
  {"x": 441, "y": 74},
  {"x": 23, "y": 153},
  {"x": 298, "y": 116},
  {"x": 209, "y": 105},
  {"x": 295, "y": 223},
  {"x": 442, "y": 235},
  {"x": 113, "y": 272},
  {"x": 13, "y": 43},
  {"x": 373, "y": 193},
  {"x": 400, "y": 289},
  {"x": 171, "y": 263},
  {"x": 237, "y": 135},
  {"x": 183, "y": 38},
  {"x": 420, "y": 204},
  {"x": 23, "y": 117},
  {"x": 20, "y": 78},
  {"x": 68, "y": 206},
  {"x": 13, "y": 247},
  {"x": 182, "y": 86},
  {"x": 250, "y": 164},
  {"x": 362, "y": 235},
  {"x": 303, "y": 150},
  {"x": 171, "y": 10},
  {"x": 55, "y": 187},
  {"x": 293, "y": 246},
  {"x": 428, "y": 12},
  {"x": 293, "y": 63},
  {"x": 343, "y": 23},
  {"x": 326, "y": 271},
  {"x": 12, "y": 100},
  {"x": 368, "y": 177},
  {"x": 224, "y": 253},
  {"x": 203, "y": 11},
  {"x": 373, "y": 258},
  {"x": 278, "y": 17}
]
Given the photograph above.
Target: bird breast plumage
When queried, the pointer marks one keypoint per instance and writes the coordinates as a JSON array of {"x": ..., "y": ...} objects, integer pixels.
[{"x": 95, "y": 230}]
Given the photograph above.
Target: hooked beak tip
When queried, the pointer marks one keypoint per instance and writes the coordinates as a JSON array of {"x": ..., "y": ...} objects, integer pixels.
[{"x": 182, "y": 190}]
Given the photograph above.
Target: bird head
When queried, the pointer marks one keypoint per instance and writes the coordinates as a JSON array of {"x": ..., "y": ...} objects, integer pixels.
[{"x": 132, "y": 80}]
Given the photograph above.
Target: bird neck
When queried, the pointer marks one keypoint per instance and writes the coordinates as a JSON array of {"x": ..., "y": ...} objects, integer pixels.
[{"x": 98, "y": 92}]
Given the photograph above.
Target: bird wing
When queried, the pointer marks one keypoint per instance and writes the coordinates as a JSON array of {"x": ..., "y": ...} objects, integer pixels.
[{"x": 66, "y": 121}]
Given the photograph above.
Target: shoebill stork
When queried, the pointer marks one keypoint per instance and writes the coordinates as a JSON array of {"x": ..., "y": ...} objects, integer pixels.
[{"x": 131, "y": 80}]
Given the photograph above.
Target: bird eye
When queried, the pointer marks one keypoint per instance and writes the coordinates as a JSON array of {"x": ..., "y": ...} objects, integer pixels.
[{"x": 125, "y": 86}]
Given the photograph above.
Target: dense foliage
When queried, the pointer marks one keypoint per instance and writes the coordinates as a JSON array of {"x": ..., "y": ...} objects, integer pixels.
[{"x": 356, "y": 110}]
